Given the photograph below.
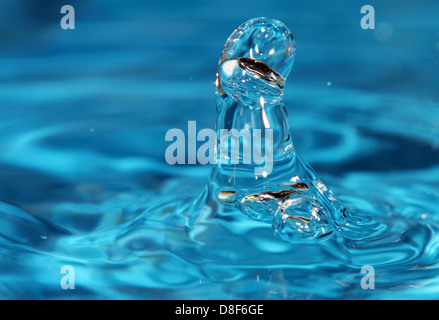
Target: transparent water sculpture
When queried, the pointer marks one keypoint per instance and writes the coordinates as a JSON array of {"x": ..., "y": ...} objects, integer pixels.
[{"x": 282, "y": 190}]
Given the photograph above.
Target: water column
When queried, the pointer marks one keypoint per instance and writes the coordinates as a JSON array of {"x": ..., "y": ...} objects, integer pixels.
[{"x": 282, "y": 190}]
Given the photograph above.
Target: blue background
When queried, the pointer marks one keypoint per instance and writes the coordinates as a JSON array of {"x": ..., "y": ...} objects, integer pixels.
[{"x": 84, "y": 112}]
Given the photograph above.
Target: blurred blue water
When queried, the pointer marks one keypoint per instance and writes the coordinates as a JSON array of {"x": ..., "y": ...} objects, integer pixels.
[{"x": 83, "y": 177}]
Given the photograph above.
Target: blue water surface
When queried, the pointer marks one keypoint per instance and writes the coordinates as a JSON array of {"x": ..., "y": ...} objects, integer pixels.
[{"x": 83, "y": 176}]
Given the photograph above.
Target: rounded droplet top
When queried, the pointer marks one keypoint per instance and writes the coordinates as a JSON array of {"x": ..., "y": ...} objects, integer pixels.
[{"x": 263, "y": 39}]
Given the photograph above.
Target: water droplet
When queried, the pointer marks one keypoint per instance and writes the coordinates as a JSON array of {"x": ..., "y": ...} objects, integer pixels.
[
  {"x": 251, "y": 76},
  {"x": 383, "y": 32}
]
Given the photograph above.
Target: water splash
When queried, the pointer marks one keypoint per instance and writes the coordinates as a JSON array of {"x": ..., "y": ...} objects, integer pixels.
[
  {"x": 121, "y": 221},
  {"x": 252, "y": 71}
]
